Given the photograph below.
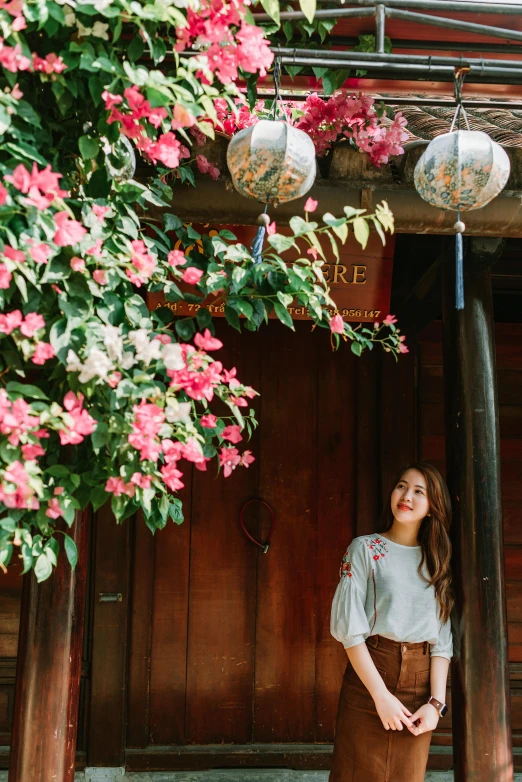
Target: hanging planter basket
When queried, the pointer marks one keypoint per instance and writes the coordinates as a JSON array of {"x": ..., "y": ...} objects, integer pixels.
[{"x": 272, "y": 162}]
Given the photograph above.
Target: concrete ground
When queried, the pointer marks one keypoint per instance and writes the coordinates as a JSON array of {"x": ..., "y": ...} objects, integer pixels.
[{"x": 224, "y": 775}]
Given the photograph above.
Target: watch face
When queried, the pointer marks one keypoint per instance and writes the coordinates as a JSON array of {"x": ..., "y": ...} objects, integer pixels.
[{"x": 444, "y": 710}]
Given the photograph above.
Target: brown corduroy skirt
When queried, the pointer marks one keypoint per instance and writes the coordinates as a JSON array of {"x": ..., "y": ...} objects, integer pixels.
[{"x": 364, "y": 751}]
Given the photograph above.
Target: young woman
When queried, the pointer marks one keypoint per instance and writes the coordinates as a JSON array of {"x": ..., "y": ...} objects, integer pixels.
[{"x": 391, "y": 612}]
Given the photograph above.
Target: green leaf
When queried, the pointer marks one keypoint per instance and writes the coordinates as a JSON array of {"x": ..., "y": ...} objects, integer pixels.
[
  {"x": 281, "y": 243},
  {"x": 88, "y": 146},
  {"x": 341, "y": 231},
  {"x": 356, "y": 348},
  {"x": 308, "y": 7},
  {"x": 100, "y": 436},
  {"x": 135, "y": 48},
  {"x": 70, "y": 550},
  {"x": 185, "y": 328},
  {"x": 176, "y": 511},
  {"x": 42, "y": 568},
  {"x": 272, "y": 9},
  {"x": 172, "y": 222},
  {"x": 21, "y": 389},
  {"x": 98, "y": 497},
  {"x": 204, "y": 318},
  {"x": 283, "y": 315},
  {"x": 361, "y": 230}
]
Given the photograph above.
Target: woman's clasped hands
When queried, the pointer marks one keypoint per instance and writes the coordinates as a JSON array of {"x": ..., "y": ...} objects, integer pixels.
[{"x": 395, "y": 716}]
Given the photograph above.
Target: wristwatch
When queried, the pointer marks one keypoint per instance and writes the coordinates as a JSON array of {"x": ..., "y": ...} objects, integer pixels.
[{"x": 441, "y": 707}]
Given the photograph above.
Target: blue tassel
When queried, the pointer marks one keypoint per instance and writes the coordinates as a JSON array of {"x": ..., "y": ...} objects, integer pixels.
[
  {"x": 257, "y": 244},
  {"x": 459, "y": 272}
]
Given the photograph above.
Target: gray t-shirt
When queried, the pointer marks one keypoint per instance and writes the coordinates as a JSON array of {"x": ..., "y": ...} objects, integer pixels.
[{"x": 381, "y": 593}]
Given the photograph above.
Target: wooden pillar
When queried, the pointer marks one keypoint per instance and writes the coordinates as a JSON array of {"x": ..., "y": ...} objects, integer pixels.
[
  {"x": 480, "y": 677},
  {"x": 48, "y": 670}
]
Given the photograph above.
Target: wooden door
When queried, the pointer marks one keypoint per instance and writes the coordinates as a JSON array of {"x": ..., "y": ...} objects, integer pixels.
[{"x": 237, "y": 641}]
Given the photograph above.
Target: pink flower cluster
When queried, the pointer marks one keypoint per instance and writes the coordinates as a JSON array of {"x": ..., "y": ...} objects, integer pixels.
[
  {"x": 230, "y": 458},
  {"x": 144, "y": 263},
  {"x": 149, "y": 419},
  {"x": 199, "y": 376},
  {"x": 231, "y": 122},
  {"x": 355, "y": 117},
  {"x": 82, "y": 423},
  {"x": 16, "y": 419},
  {"x": 15, "y": 488},
  {"x": 166, "y": 149},
  {"x": 206, "y": 167},
  {"x": 28, "y": 326},
  {"x": 41, "y": 186},
  {"x": 12, "y": 59},
  {"x": 228, "y": 42}
]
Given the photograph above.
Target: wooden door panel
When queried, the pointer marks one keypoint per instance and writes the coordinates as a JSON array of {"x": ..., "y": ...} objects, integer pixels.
[
  {"x": 285, "y": 624},
  {"x": 221, "y": 639}
]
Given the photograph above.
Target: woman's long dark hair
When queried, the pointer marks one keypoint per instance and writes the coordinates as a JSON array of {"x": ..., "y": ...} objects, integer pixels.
[{"x": 433, "y": 534}]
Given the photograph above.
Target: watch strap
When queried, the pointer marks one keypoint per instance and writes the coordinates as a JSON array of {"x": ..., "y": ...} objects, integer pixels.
[{"x": 441, "y": 707}]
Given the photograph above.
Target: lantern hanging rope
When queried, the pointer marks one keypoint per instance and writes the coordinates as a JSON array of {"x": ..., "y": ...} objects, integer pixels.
[
  {"x": 271, "y": 161},
  {"x": 461, "y": 170}
]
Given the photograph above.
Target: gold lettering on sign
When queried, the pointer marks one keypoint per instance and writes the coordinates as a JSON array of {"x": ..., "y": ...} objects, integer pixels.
[
  {"x": 359, "y": 275},
  {"x": 339, "y": 271}
]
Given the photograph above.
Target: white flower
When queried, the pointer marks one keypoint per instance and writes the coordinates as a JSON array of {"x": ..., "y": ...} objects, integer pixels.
[
  {"x": 99, "y": 30},
  {"x": 113, "y": 342},
  {"x": 178, "y": 412},
  {"x": 172, "y": 356},
  {"x": 83, "y": 32},
  {"x": 98, "y": 364},
  {"x": 128, "y": 360},
  {"x": 69, "y": 15},
  {"x": 100, "y": 5},
  {"x": 71, "y": 3},
  {"x": 146, "y": 350},
  {"x": 73, "y": 362}
]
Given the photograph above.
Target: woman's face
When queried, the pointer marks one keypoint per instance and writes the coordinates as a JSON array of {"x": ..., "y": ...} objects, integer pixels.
[{"x": 409, "y": 500}]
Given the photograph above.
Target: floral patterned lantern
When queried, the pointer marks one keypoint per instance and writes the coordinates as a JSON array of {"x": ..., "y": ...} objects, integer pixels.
[
  {"x": 272, "y": 162},
  {"x": 461, "y": 170}
]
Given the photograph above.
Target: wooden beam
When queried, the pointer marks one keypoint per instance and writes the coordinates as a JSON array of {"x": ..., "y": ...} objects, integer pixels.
[
  {"x": 48, "y": 669},
  {"x": 480, "y": 689}
]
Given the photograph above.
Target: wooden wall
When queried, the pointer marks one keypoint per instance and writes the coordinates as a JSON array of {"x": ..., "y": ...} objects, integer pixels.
[{"x": 226, "y": 645}]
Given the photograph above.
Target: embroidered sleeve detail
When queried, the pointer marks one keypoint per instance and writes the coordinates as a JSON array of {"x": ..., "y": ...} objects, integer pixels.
[
  {"x": 377, "y": 546},
  {"x": 345, "y": 571}
]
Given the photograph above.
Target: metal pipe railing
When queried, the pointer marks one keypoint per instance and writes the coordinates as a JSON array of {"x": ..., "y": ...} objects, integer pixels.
[
  {"x": 485, "y": 7},
  {"x": 455, "y": 24},
  {"x": 419, "y": 59}
]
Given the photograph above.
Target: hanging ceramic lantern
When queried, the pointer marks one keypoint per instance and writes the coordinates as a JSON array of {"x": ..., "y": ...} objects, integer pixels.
[
  {"x": 272, "y": 161},
  {"x": 462, "y": 170}
]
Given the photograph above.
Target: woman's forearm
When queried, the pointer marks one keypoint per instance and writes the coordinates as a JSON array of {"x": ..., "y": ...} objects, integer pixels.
[
  {"x": 365, "y": 669},
  {"x": 439, "y": 677}
]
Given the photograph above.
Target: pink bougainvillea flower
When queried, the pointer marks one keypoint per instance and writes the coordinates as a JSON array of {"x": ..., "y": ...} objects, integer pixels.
[
  {"x": 209, "y": 421},
  {"x": 114, "y": 378},
  {"x": 12, "y": 59},
  {"x": 403, "y": 348},
  {"x": 16, "y": 92},
  {"x": 271, "y": 228},
  {"x": 313, "y": 252},
  {"x": 206, "y": 341},
  {"x": 239, "y": 401},
  {"x": 337, "y": 325},
  {"x": 117, "y": 486},
  {"x": 97, "y": 249},
  {"x": 232, "y": 433},
  {"x": 389, "y": 320},
  {"x": 100, "y": 211},
  {"x": 20, "y": 178},
  {"x": 171, "y": 476},
  {"x": 31, "y": 451},
  {"x": 32, "y": 323},
  {"x": 182, "y": 117},
  {"x": 229, "y": 458},
  {"x": 10, "y": 321},
  {"x": 12, "y": 254},
  {"x": 148, "y": 421},
  {"x": 54, "y": 510},
  {"x": 191, "y": 275},
  {"x": 50, "y": 64},
  {"x": 44, "y": 351},
  {"x": 143, "y": 481},
  {"x": 3, "y": 194},
  {"x": 5, "y": 276},
  {"x": 77, "y": 264},
  {"x": 82, "y": 423},
  {"x": 310, "y": 205},
  {"x": 100, "y": 277},
  {"x": 69, "y": 231},
  {"x": 111, "y": 100},
  {"x": 15, "y": 489},
  {"x": 40, "y": 253},
  {"x": 176, "y": 258},
  {"x": 206, "y": 167},
  {"x": 144, "y": 263}
]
